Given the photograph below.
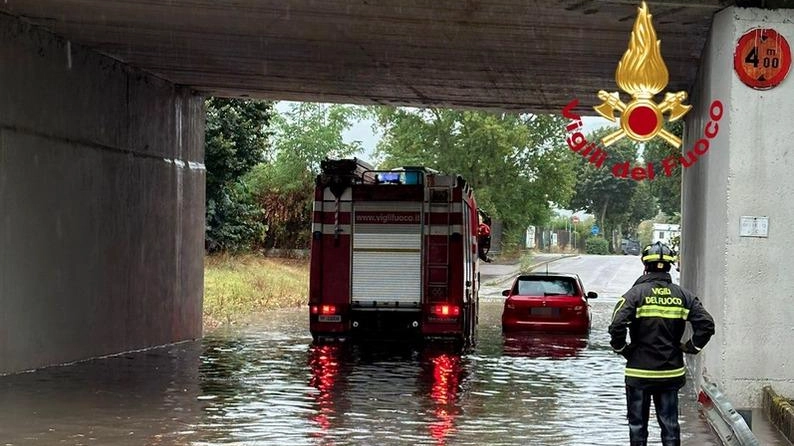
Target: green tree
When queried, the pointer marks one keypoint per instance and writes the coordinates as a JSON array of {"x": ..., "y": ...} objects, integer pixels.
[
  {"x": 641, "y": 207},
  {"x": 602, "y": 194},
  {"x": 518, "y": 164},
  {"x": 666, "y": 189},
  {"x": 236, "y": 139},
  {"x": 283, "y": 186}
]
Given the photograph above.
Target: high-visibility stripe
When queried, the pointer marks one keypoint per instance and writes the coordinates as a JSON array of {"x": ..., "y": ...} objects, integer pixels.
[
  {"x": 662, "y": 311},
  {"x": 657, "y": 257},
  {"x": 618, "y": 306},
  {"x": 655, "y": 374}
]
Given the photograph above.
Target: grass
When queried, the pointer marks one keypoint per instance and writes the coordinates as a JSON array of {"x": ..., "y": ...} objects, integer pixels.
[
  {"x": 236, "y": 287},
  {"x": 527, "y": 261}
]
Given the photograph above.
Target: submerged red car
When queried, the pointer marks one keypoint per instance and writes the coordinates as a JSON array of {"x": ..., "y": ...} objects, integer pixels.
[{"x": 547, "y": 302}]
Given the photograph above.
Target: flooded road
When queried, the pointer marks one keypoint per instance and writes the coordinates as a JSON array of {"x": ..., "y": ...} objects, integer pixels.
[{"x": 265, "y": 384}]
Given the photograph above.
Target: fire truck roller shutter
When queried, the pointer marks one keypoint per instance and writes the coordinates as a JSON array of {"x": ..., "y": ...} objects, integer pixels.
[{"x": 387, "y": 250}]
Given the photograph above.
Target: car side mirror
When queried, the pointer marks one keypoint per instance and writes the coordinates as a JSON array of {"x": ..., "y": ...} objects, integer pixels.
[
  {"x": 506, "y": 293},
  {"x": 592, "y": 294}
]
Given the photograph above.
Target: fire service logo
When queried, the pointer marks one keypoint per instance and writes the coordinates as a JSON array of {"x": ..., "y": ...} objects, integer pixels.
[{"x": 642, "y": 74}]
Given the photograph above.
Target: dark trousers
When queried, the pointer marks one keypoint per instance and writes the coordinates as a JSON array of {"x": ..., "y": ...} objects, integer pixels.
[{"x": 665, "y": 401}]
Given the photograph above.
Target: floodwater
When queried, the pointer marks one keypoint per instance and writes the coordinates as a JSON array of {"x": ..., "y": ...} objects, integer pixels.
[{"x": 265, "y": 384}]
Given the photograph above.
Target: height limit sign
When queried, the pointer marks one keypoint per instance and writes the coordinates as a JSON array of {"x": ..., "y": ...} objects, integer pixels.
[{"x": 762, "y": 58}]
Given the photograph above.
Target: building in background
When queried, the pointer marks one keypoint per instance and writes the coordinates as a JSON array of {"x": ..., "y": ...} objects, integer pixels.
[{"x": 665, "y": 232}]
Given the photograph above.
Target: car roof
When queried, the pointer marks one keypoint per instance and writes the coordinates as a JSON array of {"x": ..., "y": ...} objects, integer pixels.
[{"x": 549, "y": 274}]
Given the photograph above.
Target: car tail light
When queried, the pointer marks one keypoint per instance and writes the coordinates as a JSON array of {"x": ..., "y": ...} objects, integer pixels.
[
  {"x": 445, "y": 310},
  {"x": 323, "y": 309}
]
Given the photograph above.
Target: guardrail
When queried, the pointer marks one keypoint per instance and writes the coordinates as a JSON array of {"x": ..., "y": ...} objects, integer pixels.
[{"x": 726, "y": 422}]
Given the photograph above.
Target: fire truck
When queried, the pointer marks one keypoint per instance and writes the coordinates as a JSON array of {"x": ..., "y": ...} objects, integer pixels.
[{"x": 393, "y": 253}]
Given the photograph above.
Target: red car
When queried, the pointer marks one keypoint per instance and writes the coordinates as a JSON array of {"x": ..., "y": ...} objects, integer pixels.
[{"x": 548, "y": 302}]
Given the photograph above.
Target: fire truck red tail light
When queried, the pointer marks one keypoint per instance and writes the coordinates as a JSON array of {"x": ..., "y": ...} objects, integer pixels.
[
  {"x": 323, "y": 309},
  {"x": 445, "y": 310},
  {"x": 328, "y": 309}
]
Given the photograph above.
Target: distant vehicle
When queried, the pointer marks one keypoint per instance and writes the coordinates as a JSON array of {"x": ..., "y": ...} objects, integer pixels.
[
  {"x": 547, "y": 302},
  {"x": 630, "y": 247},
  {"x": 393, "y": 255}
]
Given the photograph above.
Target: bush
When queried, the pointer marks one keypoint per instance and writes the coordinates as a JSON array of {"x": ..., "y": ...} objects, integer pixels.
[{"x": 596, "y": 245}]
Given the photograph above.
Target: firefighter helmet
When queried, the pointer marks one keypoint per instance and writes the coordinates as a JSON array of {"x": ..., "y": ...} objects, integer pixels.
[{"x": 658, "y": 256}]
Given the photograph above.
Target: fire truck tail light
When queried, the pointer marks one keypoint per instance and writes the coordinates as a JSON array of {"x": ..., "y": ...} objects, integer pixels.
[
  {"x": 324, "y": 310},
  {"x": 445, "y": 310},
  {"x": 327, "y": 309}
]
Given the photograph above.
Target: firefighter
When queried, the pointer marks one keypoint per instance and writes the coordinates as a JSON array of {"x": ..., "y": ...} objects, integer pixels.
[
  {"x": 654, "y": 312},
  {"x": 484, "y": 237}
]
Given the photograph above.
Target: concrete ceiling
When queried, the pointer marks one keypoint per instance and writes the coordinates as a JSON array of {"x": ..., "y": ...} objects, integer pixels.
[{"x": 526, "y": 55}]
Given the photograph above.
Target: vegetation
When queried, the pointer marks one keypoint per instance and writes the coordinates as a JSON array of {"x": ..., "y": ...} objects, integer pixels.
[
  {"x": 283, "y": 186},
  {"x": 235, "y": 286},
  {"x": 518, "y": 164},
  {"x": 601, "y": 193},
  {"x": 236, "y": 139},
  {"x": 596, "y": 245},
  {"x": 666, "y": 190},
  {"x": 526, "y": 262}
]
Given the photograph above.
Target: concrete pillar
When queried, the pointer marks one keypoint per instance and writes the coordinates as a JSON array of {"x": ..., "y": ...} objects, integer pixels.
[
  {"x": 101, "y": 204},
  {"x": 746, "y": 283}
]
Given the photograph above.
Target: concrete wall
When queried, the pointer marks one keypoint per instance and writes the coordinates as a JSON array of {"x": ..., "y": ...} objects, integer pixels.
[
  {"x": 101, "y": 204},
  {"x": 750, "y": 289}
]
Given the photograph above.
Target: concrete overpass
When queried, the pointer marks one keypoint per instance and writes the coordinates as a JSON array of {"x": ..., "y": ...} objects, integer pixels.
[{"x": 101, "y": 144}]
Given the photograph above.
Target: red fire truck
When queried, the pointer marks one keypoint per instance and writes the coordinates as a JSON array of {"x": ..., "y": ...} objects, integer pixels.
[{"x": 393, "y": 253}]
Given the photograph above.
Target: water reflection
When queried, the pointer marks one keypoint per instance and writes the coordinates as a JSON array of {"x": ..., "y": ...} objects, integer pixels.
[
  {"x": 410, "y": 393},
  {"x": 544, "y": 345},
  {"x": 442, "y": 372},
  {"x": 330, "y": 385},
  {"x": 267, "y": 385}
]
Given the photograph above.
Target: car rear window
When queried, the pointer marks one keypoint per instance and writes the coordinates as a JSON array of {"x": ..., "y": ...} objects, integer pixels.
[{"x": 545, "y": 287}]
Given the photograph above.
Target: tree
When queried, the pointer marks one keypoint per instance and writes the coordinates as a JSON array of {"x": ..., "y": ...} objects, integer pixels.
[
  {"x": 642, "y": 206},
  {"x": 284, "y": 185},
  {"x": 666, "y": 189},
  {"x": 601, "y": 193},
  {"x": 517, "y": 164},
  {"x": 236, "y": 139}
]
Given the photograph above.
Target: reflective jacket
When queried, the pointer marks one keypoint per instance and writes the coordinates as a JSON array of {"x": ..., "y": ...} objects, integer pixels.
[{"x": 654, "y": 312}]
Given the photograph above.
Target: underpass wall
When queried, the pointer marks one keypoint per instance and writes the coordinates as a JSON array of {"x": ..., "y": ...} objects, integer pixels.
[
  {"x": 743, "y": 281},
  {"x": 101, "y": 204}
]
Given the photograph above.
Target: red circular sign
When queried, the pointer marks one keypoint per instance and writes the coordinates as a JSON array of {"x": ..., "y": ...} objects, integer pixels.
[{"x": 762, "y": 58}]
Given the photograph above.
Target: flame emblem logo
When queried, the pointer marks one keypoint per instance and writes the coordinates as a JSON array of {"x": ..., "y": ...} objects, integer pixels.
[{"x": 642, "y": 73}]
